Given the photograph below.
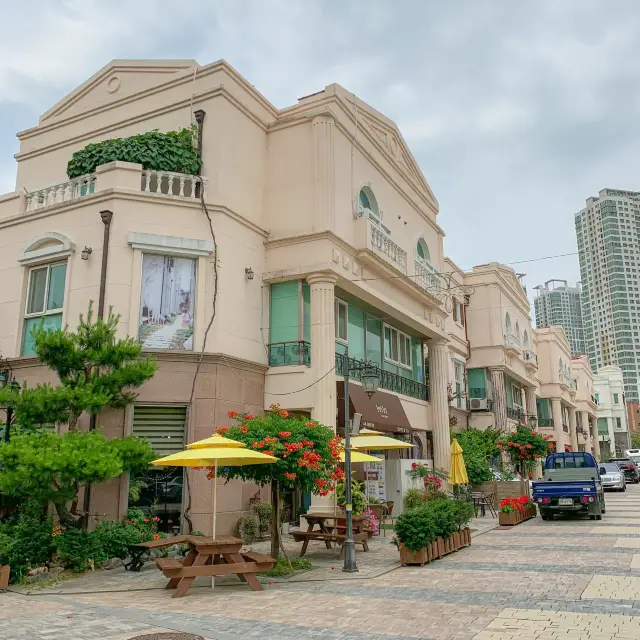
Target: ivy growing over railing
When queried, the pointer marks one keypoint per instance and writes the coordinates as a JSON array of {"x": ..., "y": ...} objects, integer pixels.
[{"x": 173, "y": 151}]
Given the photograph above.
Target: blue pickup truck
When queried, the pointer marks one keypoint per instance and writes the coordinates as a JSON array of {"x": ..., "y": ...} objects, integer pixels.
[{"x": 571, "y": 483}]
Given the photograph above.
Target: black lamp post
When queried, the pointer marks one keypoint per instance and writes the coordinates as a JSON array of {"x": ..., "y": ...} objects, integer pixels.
[
  {"x": 7, "y": 380},
  {"x": 370, "y": 378}
]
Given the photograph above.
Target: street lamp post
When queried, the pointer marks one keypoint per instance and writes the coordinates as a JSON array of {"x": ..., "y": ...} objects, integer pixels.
[{"x": 370, "y": 379}]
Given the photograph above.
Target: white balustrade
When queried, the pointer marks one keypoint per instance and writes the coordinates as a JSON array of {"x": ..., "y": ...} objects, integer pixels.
[
  {"x": 63, "y": 192},
  {"x": 384, "y": 245},
  {"x": 511, "y": 341},
  {"x": 428, "y": 277},
  {"x": 173, "y": 184}
]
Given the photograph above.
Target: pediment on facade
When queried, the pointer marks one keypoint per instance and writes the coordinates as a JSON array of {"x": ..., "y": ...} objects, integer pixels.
[
  {"x": 117, "y": 80},
  {"x": 389, "y": 139}
]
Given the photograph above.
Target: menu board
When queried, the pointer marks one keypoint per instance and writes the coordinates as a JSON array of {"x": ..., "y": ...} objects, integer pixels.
[{"x": 374, "y": 479}]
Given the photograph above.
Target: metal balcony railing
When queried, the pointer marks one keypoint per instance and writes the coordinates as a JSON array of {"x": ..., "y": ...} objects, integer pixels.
[
  {"x": 388, "y": 380},
  {"x": 282, "y": 354},
  {"x": 530, "y": 357}
]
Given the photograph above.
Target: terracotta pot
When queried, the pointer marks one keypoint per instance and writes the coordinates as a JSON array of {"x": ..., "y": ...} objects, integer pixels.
[{"x": 413, "y": 557}]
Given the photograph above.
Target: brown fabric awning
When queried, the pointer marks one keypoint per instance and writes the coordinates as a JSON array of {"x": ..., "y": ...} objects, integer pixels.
[{"x": 383, "y": 411}]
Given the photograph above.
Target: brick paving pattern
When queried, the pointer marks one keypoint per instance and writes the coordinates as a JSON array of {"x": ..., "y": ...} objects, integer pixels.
[{"x": 571, "y": 578}]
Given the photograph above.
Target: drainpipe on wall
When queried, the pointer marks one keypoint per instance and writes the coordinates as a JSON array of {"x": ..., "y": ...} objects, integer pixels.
[
  {"x": 106, "y": 217},
  {"x": 466, "y": 335}
]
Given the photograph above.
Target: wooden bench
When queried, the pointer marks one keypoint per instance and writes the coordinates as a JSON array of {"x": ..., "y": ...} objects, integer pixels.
[
  {"x": 328, "y": 538},
  {"x": 136, "y": 551}
]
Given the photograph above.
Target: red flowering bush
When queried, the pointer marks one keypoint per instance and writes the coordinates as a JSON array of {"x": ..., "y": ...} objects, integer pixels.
[
  {"x": 509, "y": 505},
  {"x": 308, "y": 455},
  {"x": 524, "y": 446}
]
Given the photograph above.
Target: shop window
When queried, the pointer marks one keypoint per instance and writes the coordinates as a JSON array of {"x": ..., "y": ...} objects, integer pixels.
[
  {"x": 167, "y": 302},
  {"x": 342, "y": 321},
  {"x": 45, "y": 301}
]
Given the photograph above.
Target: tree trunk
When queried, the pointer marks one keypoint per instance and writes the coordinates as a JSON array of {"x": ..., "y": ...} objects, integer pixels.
[
  {"x": 66, "y": 518},
  {"x": 275, "y": 524}
]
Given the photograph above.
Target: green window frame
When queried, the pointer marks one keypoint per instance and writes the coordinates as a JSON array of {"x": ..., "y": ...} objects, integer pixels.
[{"x": 45, "y": 301}]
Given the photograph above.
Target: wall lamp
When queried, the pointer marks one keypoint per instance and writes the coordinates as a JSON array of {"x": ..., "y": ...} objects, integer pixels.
[
  {"x": 86, "y": 252},
  {"x": 249, "y": 273}
]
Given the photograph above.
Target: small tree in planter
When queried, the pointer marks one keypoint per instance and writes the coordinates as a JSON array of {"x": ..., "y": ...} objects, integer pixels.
[
  {"x": 414, "y": 531},
  {"x": 308, "y": 457}
]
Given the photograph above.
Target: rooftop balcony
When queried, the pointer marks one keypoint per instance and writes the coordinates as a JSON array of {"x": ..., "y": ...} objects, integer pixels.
[
  {"x": 123, "y": 175},
  {"x": 512, "y": 342}
]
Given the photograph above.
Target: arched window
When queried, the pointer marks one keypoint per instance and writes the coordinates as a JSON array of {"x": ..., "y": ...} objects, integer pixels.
[
  {"x": 418, "y": 448},
  {"x": 367, "y": 200},
  {"x": 561, "y": 365},
  {"x": 423, "y": 250},
  {"x": 525, "y": 339},
  {"x": 517, "y": 330},
  {"x": 507, "y": 322}
]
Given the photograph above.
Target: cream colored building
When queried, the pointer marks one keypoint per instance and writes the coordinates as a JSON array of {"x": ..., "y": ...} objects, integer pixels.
[
  {"x": 558, "y": 388},
  {"x": 503, "y": 363},
  {"x": 613, "y": 424},
  {"x": 327, "y": 241},
  {"x": 586, "y": 406},
  {"x": 458, "y": 345}
]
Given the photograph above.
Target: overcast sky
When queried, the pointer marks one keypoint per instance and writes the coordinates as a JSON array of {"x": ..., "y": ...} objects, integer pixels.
[{"x": 515, "y": 111}]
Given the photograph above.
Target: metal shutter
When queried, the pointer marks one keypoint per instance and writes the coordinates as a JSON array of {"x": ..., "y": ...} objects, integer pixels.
[{"x": 163, "y": 426}]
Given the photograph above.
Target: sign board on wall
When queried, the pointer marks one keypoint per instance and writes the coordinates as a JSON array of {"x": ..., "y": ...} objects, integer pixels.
[{"x": 374, "y": 479}]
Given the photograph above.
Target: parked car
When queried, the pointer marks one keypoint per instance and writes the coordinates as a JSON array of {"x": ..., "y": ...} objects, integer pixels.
[
  {"x": 629, "y": 467},
  {"x": 612, "y": 477}
]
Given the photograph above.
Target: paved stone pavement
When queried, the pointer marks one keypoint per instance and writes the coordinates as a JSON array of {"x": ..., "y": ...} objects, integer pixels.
[{"x": 571, "y": 578}]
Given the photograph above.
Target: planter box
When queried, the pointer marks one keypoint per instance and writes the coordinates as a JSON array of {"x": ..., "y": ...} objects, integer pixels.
[
  {"x": 413, "y": 557},
  {"x": 516, "y": 517},
  {"x": 436, "y": 549}
]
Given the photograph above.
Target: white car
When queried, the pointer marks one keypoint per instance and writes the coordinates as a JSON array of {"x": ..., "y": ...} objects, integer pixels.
[{"x": 612, "y": 477}]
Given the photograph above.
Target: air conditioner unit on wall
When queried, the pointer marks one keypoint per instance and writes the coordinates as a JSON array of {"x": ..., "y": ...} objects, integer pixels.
[{"x": 479, "y": 404}]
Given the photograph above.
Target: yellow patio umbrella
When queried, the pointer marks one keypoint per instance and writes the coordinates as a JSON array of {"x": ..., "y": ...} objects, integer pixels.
[
  {"x": 458, "y": 470},
  {"x": 358, "y": 456},
  {"x": 375, "y": 441},
  {"x": 213, "y": 451}
]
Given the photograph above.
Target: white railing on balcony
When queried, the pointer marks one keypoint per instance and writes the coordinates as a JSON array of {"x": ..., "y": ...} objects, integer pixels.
[
  {"x": 384, "y": 245},
  {"x": 530, "y": 357},
  {"x": 172, "y": 184},
  {"x": 63, "y": 192},
  {"x": 511, "y": 341},
  {"x": 428, "y": 277}
]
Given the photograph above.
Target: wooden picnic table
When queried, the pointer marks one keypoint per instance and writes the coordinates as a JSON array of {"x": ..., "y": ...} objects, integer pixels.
[
  {"x": 137, "y": 551},
  {"x": 213, "y": 557},
  {"x": 330, "y": 533}
]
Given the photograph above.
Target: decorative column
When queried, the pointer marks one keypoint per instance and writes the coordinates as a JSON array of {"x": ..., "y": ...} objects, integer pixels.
[
  {"x": 438, "y": 379},
  {"x": 532, "y": 405},
  {"x": 556, "y": 412},
  {"x": 323, "y": 359},
  {"x": 573, "y": 429},
  {"x": 593, "y": 428},
  {"x": 499, "y": 399},
  {"x": 323, "y": 172},
  {"x": 323, "y": 346}
]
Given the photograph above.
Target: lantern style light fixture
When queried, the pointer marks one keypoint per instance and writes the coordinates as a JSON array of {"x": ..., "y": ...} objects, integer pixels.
[
  {"x": 370, "y": 379},
  {"x": 86, "y": 252}
]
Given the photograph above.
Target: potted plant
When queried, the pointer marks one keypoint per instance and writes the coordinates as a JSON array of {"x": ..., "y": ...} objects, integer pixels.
[
  {"x": 510, "y": 512},
  {"x": 414, "y": 532}
]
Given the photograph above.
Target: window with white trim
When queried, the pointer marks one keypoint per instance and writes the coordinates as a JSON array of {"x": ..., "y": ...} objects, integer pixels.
[
  {"x": 45, "y": 301},
  {"x": 397, "y": 347},
  {"x": 342, "y": 322}
]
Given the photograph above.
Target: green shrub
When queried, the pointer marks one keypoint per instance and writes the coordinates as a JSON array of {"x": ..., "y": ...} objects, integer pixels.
[
  {"x": 282, "y": 567},
  {"x": 415, "y": 528},
  {"x": 80, "y": 550},
  {"x": 264, "y": 512},
  {"x": 478, "y": 467},
  {"x": 172, "y": 151},
  {"x": 248, "y": 528},
  {"x": 414, "y": 498},
  {"x": 479, "y": 447},
  {"x": 463, "y": 513},
  {"x": 115, "y": 538},
  {"x": 442, "y": 515}
]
